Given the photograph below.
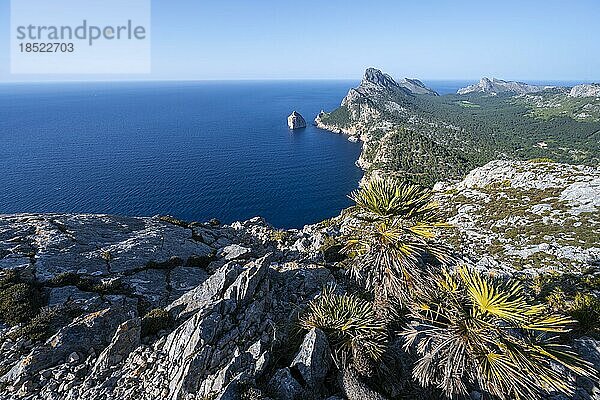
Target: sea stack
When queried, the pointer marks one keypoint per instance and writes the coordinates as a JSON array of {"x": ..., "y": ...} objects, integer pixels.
[{"x": 296, "y": 121}]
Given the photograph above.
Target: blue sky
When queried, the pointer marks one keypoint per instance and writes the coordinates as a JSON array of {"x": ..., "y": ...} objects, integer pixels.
[{"x": 335, "y": 39}]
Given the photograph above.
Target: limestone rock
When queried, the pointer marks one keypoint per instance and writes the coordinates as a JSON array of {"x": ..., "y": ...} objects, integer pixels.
[
  {"x": 415, "y": 86},
  {"x": 284, "y": 386},
  {"x": 355, "y": 389},
  {"x": 99, "y": 245},
  {"x": 496, "y": 86},
  {"x": 234, "y": 252},
  {"x": 313, "y": 359},
  {"x": 184, "y": 279},
  {"x": 227, "y": 317},
  {"x": 376, "y": 77},
  {"x": 125, "y": 340},
  {"x": 585, "y": 90},
  {"x": 61, "y": 295},
  {"x": 90, "y": 331},
  {"x": 511, "y": 216},
  {"x": 296, "y": 121},
  {"x": 209, "y": 291}
]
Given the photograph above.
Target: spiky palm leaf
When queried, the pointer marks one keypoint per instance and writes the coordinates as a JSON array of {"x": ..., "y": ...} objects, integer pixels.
[
  {"x": 469, "y": 328},
  {"x": 384, "y": 198},
  {"x": 391, "y": 234},
  {"x": 350, "y": 325}
]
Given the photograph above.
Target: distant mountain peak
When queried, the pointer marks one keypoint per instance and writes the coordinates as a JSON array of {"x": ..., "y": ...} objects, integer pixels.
[
  {"x": 375, "y": 76},
  {"x": 585, "y": 90},
  {"x": 497, "y": 86}
]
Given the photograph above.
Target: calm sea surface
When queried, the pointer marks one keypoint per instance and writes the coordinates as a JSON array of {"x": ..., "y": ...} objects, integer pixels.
[{"x": 194, "y": 150}]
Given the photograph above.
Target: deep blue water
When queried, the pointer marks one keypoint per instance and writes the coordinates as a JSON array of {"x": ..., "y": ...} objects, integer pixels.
[
  {"x": 447, "y": 87},
  {"x": 193, "y": 150}
]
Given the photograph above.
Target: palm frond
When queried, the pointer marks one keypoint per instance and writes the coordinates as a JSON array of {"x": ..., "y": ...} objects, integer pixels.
[
  {"x": 349, "y": 322},
  {"x": 498, "y": 299},
  {"x": 387, "y": 197},
  {"x": 496, "y": 336}
]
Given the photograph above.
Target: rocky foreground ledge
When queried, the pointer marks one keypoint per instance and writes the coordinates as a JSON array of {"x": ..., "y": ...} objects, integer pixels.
[{"x": 220, "y": 306}]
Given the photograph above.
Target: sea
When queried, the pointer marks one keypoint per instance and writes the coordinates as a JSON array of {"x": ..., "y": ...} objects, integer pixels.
[{"x": 193, "y": 150}]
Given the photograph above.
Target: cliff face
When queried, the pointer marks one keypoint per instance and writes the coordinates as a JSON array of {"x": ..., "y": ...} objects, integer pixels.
[
  {"x": 425, "y": 139},
  {"x": 296, "y": 121},
  {"x": 415, "y": 86},
  {"x": 385, "y": 115},
  {"x": 497, "y": 86},
  {"x": 585, "y": 90}
]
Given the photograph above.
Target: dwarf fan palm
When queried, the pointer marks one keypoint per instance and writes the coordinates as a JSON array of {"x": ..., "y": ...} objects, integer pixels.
[
  {"x": 349, "y": 323},
  {"x": 391, "y": 233},
  {"x": 471, "y": 329}
]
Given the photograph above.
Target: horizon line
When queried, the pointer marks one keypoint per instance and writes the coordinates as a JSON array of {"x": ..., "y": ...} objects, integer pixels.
[{"x": 133, "y": 80}]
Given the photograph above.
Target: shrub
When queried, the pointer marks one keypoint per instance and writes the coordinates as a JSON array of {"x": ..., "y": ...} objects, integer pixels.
[
  {"x": 585, "y": 308},
  {"x": 471, "y": 329},
  {"x": 89, "y": 284},
  {"x": 8, "y": 278},
  {"x": 349, "y": 323},
  {"x": 47, "y": 322},
  {"x": 65, "y": 279},
  {"x": 174, "y": 221},
  {"x": 111, "y": 286},
  {"x": 542, "y": 160},
  {"x": 19, "y": 302},
  {"x": 154, "y": 321},
  {"x": 279, "y": 235}
]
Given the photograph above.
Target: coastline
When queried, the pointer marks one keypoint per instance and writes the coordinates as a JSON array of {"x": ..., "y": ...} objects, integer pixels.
[{"x": 353, "y": 135}]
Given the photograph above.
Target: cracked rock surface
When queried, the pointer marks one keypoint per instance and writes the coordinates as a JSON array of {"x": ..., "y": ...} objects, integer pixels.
[{"x": 229, "y": 297}]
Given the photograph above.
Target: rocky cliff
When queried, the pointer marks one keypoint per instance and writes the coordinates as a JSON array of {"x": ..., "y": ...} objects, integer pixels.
[
  {"x": 496, "y": 86},
  {"x": 415, "y": 86},
  {"x": 527, "y": 217},
  {"x": 585, "y": 90},
  {"x": 376, "y": 111},
  {"x": 296, "y": 121},
  {"x": 148, "y": 308},
  {"x": 426, "y": 139}
]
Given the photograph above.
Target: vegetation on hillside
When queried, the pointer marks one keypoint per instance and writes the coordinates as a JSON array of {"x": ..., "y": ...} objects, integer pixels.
[
  {"x": 426, "y": 139},
  {"x": 460, "y": 330}
]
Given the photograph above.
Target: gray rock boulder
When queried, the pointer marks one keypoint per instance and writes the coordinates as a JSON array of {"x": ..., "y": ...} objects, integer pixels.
[
  {"x": 227, "y": 319},
  {"x": 313, "y": 359},
  {"x": 284, "y": 386},
  {"x": 234, "y": 252},
  {"x": 354, "y": 388},
  {"x": 125, "y": 340},
  {"x": 97, "y": 245},
  {"x": 208, "y": 292},
  {"x": 92, "y": 331}
]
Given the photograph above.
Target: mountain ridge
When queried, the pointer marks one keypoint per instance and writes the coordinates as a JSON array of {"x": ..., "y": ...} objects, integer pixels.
[
  {"x": 430, "y": 138},
  {"x": 496, "y": 86}
]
